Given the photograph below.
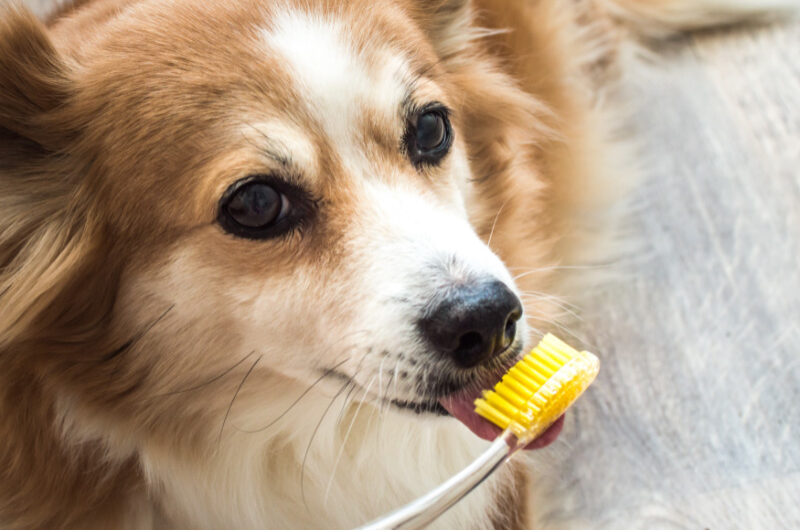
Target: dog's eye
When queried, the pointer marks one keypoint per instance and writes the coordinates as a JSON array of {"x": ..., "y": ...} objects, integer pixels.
[
  {"x": 430, "y": 131},
  {"x": 255, "y": 205},
  {"x": 429, "y": 137},
  {"x": 254, "y": 208}
]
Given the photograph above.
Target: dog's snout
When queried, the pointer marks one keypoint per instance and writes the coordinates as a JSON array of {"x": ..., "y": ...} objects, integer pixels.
[{"x": 474, "y": 323}]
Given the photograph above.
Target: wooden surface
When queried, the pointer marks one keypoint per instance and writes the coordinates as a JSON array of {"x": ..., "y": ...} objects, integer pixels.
[{"x": 694, "y": 420}]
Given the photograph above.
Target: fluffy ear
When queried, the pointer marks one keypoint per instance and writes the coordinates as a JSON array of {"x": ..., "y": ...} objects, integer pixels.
[
  {"x": 41, "y": 242},
  {"x": 33, "y": 83},
  {"x": 448, "y": 23}
]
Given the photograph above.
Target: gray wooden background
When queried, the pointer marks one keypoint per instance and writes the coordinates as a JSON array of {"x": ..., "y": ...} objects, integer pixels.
[{"x": 694, "y": 420}]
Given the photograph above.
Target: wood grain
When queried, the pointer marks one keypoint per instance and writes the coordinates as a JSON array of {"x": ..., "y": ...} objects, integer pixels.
[{"x": 694, "y": 420}]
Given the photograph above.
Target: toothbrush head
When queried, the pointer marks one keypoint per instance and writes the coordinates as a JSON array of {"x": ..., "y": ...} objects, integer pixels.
[{"x": 538, "y": 389}]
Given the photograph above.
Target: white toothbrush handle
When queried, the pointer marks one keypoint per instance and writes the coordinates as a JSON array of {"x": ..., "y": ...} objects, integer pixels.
[{"x": 426, "y": 509}]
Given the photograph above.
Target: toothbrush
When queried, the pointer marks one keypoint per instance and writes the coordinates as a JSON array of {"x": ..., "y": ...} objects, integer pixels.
[{"x": 529, "y": 398}]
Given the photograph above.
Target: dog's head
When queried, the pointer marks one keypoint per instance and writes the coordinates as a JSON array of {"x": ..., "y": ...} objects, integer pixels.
[{"x": 287, "y": 195}]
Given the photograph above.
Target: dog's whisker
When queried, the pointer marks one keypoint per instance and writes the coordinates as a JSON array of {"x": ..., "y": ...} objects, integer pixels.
[
  {"x": 208, "y": 382},
  {"x": 236, "y": 393},
  {"x": 546, "y": 295},
  {"x": 538, "y": 332},
  {"x": 312, "y": 439},
  {"x": 395, "y": 377},
  {"x": 327, "y": 373},
  {"x": 381, "y": 379},
  {"x": 354, "y": 416},
  {"x": 376, "y": 413},
  {"x": 383, "y": 406},
  {"x": 384, "y": 391},
  {"x": 558, "y": 312},
  {"x": 495, "y": 221},
  {"x": 549, "y": 296},
  {"x": 394, "y": 381},
  {"x": 556, "y": 267},
  {"x": 346, "y": 401},
  {"x": 565, "y": 307},
  {"x": 564, "y": 267},
  {"x": 352, "y": 378},
  {"x": 563, "y": 328},
  {"x": 136, "y": 338},
  {"x": 364, "y": 396},
  {"x": 532, "y": 272},
  {"x": 323, "y": 352}
]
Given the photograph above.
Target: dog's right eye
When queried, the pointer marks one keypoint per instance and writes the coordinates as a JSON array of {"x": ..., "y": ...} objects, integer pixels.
[{"x": 256, "y": 207}]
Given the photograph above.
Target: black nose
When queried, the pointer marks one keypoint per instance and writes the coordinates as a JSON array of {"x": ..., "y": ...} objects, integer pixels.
[{"x": 475, "y": 322}]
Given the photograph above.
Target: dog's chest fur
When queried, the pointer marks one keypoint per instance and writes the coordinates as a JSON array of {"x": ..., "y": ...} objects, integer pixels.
[{"x": 326, "y": 477}]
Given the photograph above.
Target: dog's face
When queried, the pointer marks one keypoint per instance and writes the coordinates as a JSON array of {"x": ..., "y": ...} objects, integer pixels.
[
  {"x": 316, "y": 212},
  {"x": 288, "y": 201}
]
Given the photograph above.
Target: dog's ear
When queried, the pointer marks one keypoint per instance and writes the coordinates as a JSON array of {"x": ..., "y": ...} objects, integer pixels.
[
  {"x": 43, "y": 235},
  {"x": 33, "y": 84},
  {"x": 448, "y": 24}
]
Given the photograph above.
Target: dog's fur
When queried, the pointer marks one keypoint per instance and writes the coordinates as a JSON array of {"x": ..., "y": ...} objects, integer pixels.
[{"x": 157, "y": 371}]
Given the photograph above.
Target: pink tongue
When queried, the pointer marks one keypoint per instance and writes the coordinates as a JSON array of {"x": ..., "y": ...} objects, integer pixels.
[{"x": 461, "y": 407}]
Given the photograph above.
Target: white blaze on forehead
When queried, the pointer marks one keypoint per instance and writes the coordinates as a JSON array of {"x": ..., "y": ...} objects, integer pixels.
[
  {"x": 336, "y": 82},
  {"x": 416, "y": 231}
]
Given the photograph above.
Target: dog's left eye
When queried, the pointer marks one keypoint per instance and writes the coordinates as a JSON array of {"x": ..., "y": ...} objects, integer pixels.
[
  {"x": 430, "y": 131},
  {"x": 429, "y": 135},
  {"x": 255, "y": 207}
]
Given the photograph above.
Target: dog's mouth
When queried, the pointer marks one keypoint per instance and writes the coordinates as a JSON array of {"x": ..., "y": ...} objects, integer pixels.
[
  {"x": 434, "y": 407},
  {"x": 459, "y": 404},
  {"x": 456, "y": 400}
]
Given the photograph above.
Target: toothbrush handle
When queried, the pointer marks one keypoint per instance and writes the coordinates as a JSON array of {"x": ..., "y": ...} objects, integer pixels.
[{"x": 426, "y": 509}]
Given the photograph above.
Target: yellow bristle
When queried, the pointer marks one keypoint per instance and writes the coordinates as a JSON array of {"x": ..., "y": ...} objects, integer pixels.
[
  {"x": 523, "y": 378},
  {"x": 558, "y": 357},
  {"x": 554, "y": 359},
  {"x": 538, "y": 400},
  {"x": 531, "y": 372},
  {"x": 498, "y": 402},
  {"x": 539, "y": 376},
  {"x": 516, "y": 386},
  {"x": 523, "y": 404},
  {"x": 558, "y": 346},
  {"x": 540, "y": 366},
  {"x": 516, "y": 400},
  {"x": 491, "y": 414}
]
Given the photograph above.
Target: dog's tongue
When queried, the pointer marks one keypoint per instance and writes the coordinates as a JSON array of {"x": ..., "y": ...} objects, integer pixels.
[{"x": 461, "y": 407}]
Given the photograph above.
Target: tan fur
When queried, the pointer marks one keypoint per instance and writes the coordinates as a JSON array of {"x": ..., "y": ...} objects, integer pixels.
[{"x": 121, "y": 123}]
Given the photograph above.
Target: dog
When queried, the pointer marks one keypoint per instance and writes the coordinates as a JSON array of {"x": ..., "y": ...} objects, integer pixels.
[{"x": 257, "y": 256}]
